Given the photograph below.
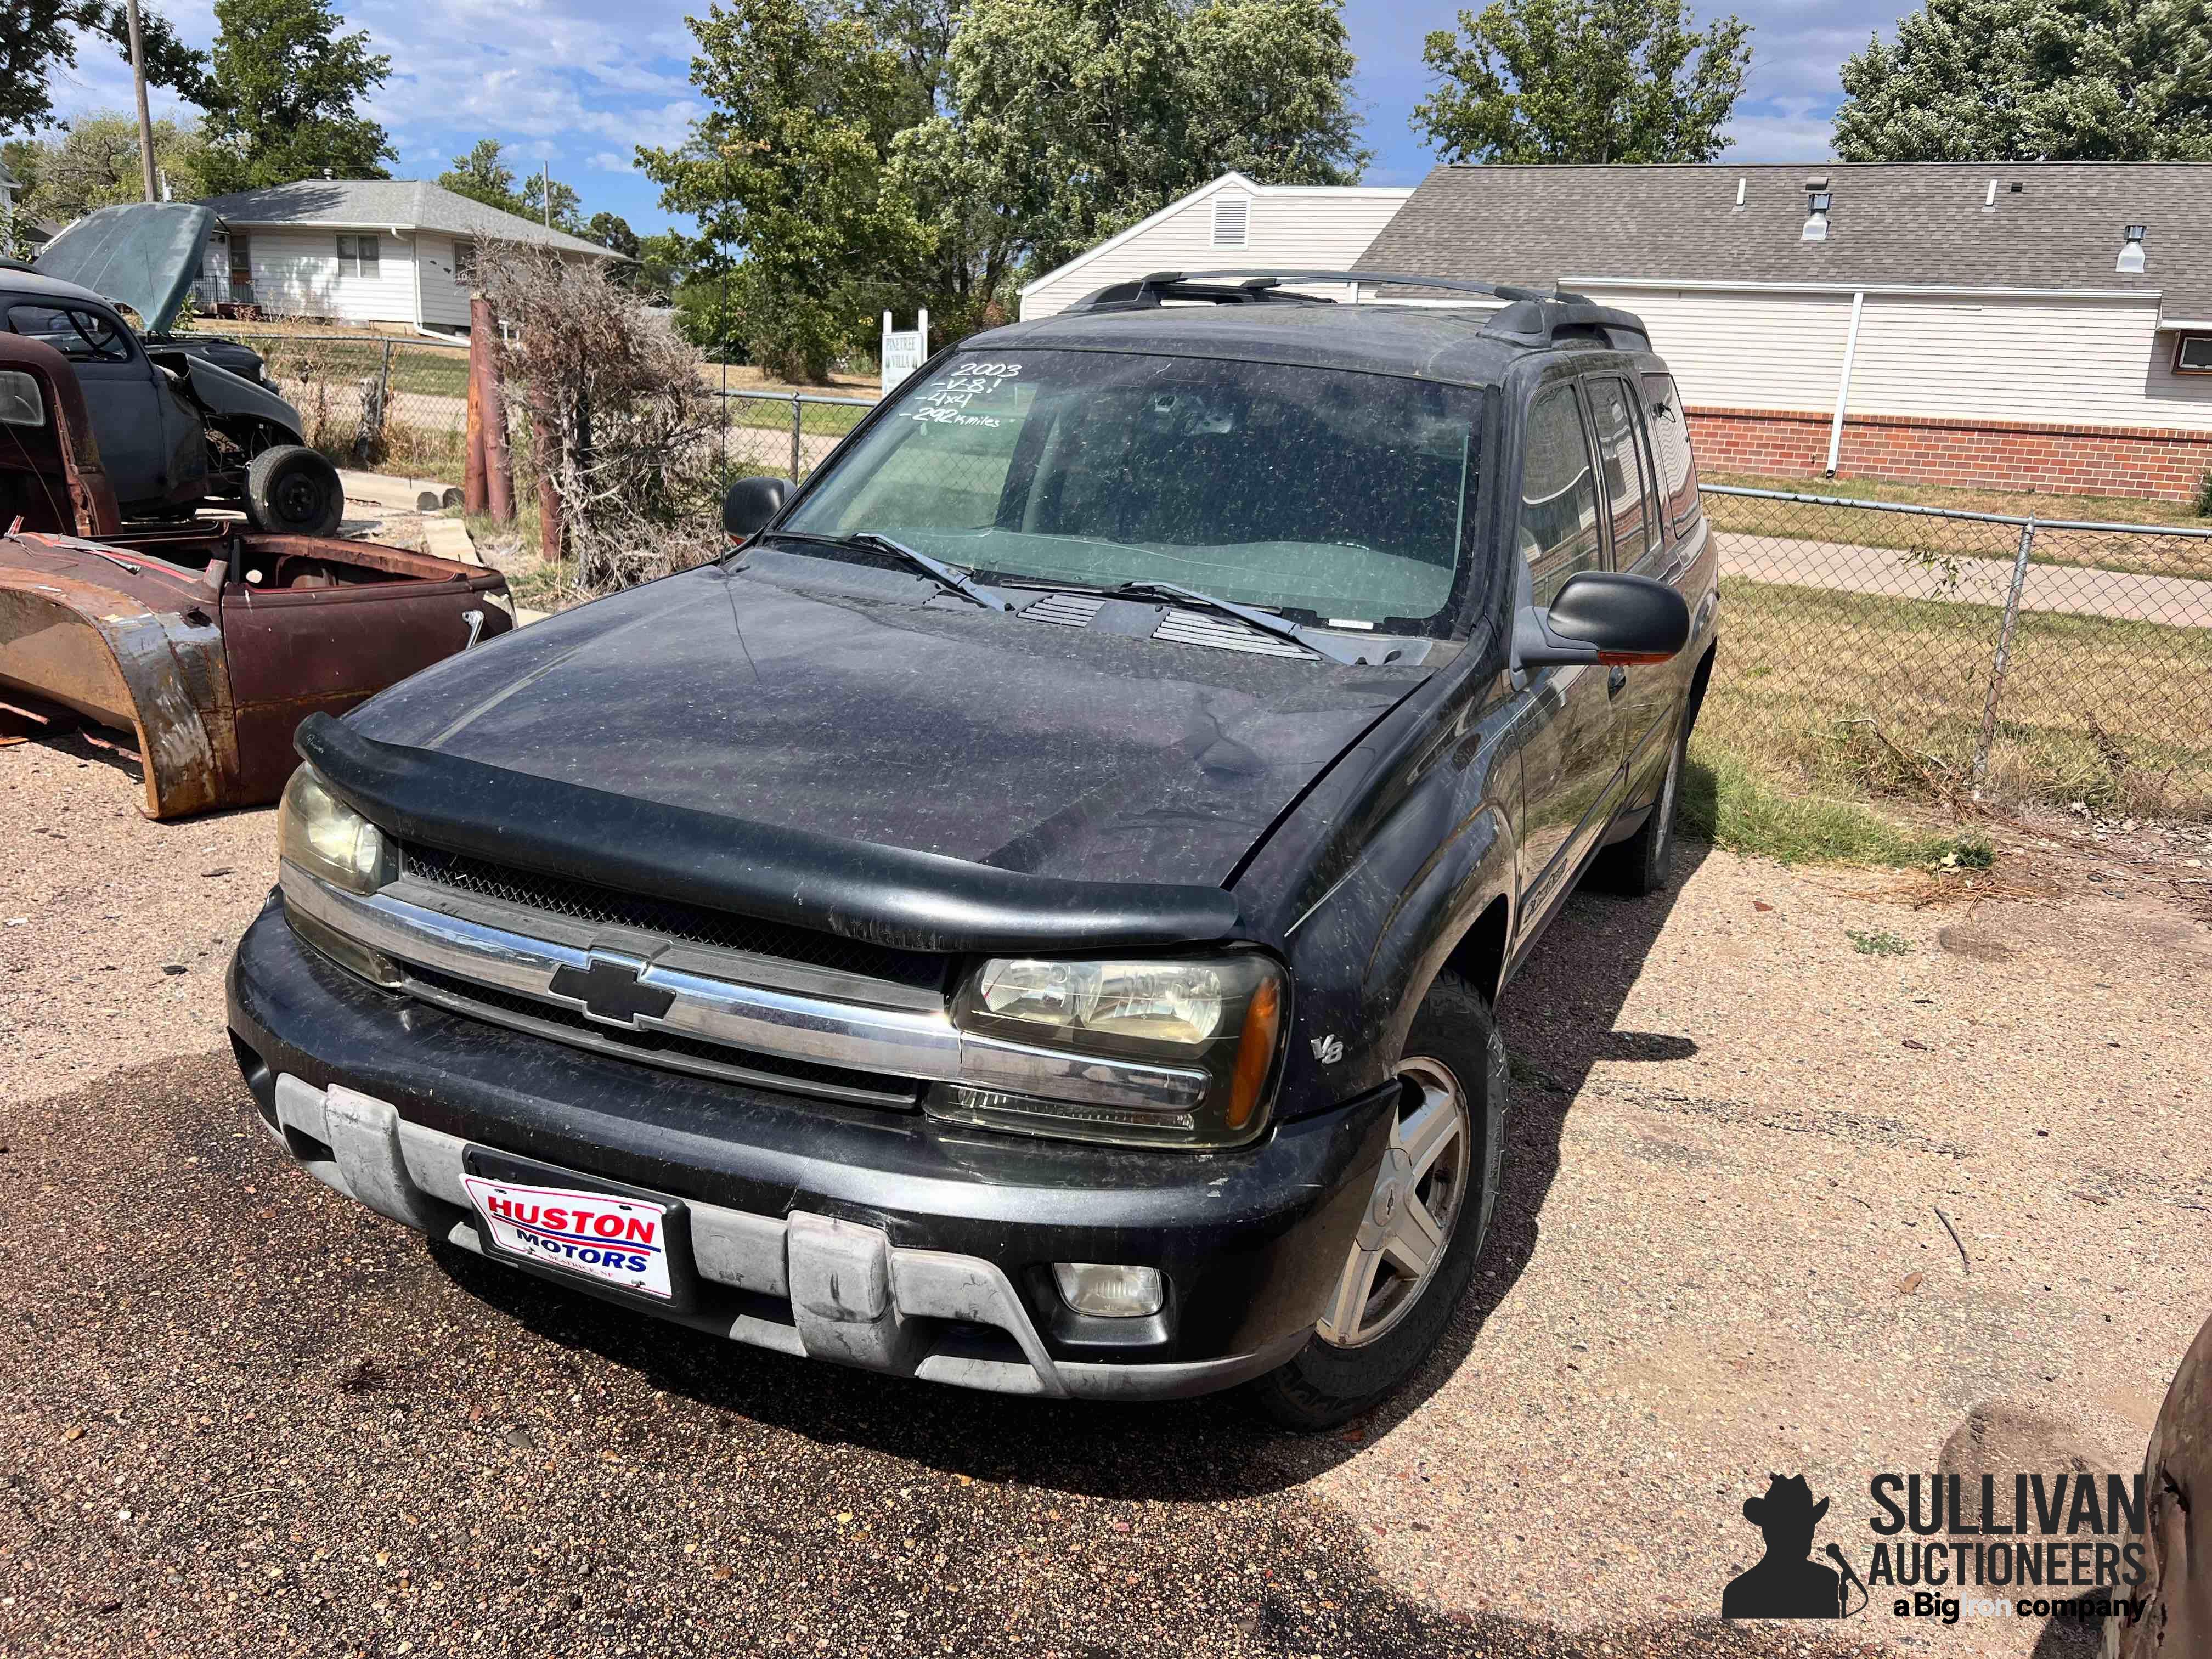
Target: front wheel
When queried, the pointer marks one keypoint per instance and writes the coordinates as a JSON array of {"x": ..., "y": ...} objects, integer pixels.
[
  {"x": 1423, "y": 1227},
  {"x": 293, "y": 491}
]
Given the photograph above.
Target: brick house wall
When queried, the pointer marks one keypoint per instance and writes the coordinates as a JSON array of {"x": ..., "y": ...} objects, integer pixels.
[{"x": 2164, "y": 463}]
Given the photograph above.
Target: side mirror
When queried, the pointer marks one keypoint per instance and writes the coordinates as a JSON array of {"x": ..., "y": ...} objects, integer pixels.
[
  {"x": 1602, "y": 617},
  {"x": 750, "y": 503}
]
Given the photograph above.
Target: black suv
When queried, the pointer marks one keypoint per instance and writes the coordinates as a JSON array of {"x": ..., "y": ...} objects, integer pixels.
[{"x": 1028, "y": 917}]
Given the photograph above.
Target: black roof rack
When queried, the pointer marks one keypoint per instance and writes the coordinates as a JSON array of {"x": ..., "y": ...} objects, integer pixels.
[{"x": 1530, "y": 317}]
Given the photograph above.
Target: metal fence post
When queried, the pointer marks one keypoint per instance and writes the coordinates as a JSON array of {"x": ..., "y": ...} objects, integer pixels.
[
  {"x": 1997, "y": 669},
  {"x": 795, "y": 437}
]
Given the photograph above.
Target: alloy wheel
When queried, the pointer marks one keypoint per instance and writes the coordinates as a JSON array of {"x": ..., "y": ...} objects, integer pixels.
[{"x": 1410, "y": 1215}]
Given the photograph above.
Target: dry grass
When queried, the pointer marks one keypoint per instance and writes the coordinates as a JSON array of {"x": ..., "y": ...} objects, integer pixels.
[
  {"x": 1843, "y": 693},
  {"x": 2018, "y": 504}
]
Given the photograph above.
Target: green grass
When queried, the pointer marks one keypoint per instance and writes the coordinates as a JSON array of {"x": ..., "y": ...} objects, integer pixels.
[
  {"x": 1728, "y": 802},
  {"x": 2020, "y": 504},
  {"x": 1847, "y": 694},
  {"x": 1878, "y": 942}
]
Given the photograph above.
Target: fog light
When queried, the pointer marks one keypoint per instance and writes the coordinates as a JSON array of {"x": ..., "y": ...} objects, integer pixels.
[{"x": 1107, "y": 1290}]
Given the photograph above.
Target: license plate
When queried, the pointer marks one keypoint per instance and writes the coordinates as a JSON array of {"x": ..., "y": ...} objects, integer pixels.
[{"x": 617, "y": 1240}]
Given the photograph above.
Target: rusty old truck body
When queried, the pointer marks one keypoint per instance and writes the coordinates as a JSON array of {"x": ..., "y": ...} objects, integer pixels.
[{"x": 207, "y": 644}]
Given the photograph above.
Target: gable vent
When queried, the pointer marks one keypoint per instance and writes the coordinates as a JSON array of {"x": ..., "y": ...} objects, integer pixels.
[{"x": 1232, "y": 220}]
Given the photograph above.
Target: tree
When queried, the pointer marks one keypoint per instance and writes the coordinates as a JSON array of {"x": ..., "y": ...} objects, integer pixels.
[
  {"x": 281, "y": 105},
  {"x": 1066, "y": 120},
  {"x": 39, "y": 37},
  {"x": 2033, "y": 81},
  {"x": 483, "y": 175},
  {"x": 95, "y": 163},
  {"x": 612, "y": 231},
  {"x": 1586, "y": 81},
  {"x": 567, "y": 206},
  {"x": 788, "y": 166}
]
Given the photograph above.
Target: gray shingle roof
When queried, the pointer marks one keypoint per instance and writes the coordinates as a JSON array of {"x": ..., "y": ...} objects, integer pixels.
[
  {"x": 406, "y": 203},
  {"x": 1921, "y": 225}
]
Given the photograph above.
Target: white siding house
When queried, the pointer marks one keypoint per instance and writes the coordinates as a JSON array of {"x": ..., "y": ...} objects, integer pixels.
[
  {"x": 378, "y": 252},
  {"x": 2029, "y": 324},
  {"x": 1226, "y": 225}
]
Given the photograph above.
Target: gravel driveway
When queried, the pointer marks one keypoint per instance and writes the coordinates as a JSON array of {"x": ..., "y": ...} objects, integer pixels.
[{"x": 243, "y": 1416}]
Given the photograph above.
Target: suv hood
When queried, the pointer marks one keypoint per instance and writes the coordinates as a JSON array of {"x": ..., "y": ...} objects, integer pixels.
[
  {"x": 863, "y": 704},
  {"x": 145, "y": 255}
]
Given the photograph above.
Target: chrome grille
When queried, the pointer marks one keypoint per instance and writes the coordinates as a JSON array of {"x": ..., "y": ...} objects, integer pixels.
[
  {"x": 666, "y": 1048},
  {"x": 691, "y": 924}
]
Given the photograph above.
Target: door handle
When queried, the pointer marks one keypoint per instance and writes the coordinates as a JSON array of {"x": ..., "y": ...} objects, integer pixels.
[
  {"x": 1614, "y": 681},
  {"x": 475, "y": 619}
]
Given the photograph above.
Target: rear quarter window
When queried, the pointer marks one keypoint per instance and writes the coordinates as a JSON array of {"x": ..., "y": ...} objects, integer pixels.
[{"x": 1670, "y": 444}]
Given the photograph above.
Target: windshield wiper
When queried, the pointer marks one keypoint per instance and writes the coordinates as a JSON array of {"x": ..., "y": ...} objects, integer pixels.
[
  {"x": 1321, "y": 645},
  {"x": 867, "y": 541}
]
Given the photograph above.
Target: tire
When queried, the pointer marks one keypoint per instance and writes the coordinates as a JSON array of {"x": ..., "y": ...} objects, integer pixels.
[
  {"x": 1454, "y": 1046},
  {"x": 293, "y": 491},
  {"x": 1644, "y": 862}
]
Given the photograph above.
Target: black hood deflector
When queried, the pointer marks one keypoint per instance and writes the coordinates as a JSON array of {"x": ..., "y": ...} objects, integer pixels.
[{"x": 886, "y": 896}]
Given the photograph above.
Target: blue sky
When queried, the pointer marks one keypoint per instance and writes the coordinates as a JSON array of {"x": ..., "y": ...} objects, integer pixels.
[{"x": 581, "y": 83}]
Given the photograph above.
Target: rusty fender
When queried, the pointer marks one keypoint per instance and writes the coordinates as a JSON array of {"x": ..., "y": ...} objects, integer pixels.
[{"x": 119, "y": 663}]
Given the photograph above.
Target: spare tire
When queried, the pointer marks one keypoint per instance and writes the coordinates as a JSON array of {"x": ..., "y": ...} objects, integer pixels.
[{"x": 293, "y": 491}]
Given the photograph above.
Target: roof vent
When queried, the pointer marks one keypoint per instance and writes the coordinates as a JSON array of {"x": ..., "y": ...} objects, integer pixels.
[
  {"x": 1740, "y": 184},
  {"x": 2131, "y": 251},
  {"x": 1232, "y": 219},
  {"x": 1816, "y": 213},
  {"x": 1990, "y": 201}
]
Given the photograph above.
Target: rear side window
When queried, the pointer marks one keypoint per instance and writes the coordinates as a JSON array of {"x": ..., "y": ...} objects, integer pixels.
[
  {"x": 1557, "y": 532},
  {"x": 1620, "y": 451},
  {"x": 1670, "y": 441},
  {"x": 80, "y": 335}
]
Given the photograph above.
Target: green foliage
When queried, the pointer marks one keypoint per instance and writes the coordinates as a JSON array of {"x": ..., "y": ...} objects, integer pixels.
[
  {"x": 612, "y": 232},
  {"x": 281, "y": 106},
  {"x": 789, "y": 168},
  {"x": 1066, "y": 120},
  {"x": 2203, "y": 502},
  {"x": 862, "y": 155},
  {"x": 1583, "y": 80},
  {"x": 95, "y": 163},
  {"x": 1728, "y": 802},
  {"x": 1878, "y": 942},
  {"x": 2032, "y": 81},
  {"x": 483, "y": 175},
  {"x": 37, "y": 40}
]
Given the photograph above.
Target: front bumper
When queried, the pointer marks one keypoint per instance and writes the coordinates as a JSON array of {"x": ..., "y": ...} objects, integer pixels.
[{"x": 874, "y": 1238}]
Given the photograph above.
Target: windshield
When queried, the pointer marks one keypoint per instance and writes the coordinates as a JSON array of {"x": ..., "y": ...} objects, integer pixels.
[{"x": 1345, "y": 496}]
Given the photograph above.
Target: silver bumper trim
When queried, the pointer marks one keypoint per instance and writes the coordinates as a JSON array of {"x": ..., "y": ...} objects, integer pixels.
[
  {"x": 762, "y": 1019},
  {"x": 855, "y": 1297}
]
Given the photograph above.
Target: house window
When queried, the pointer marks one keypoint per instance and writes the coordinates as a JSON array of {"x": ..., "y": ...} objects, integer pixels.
[
  {"x": 1232, "y": 220},
  {"x": 2192, "y": 355},
  {"x": 357, "y": 256}
]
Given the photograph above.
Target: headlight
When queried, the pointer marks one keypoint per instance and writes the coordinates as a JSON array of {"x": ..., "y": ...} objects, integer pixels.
[
  {"x": 1148, "y": 1053},
  {"x": 323, "y": 836}
]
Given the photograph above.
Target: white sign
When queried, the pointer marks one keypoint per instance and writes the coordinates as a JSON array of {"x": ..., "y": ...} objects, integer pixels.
[
  {"x": 620, "y": 1241},
  {"x": 904, "y": 350}
]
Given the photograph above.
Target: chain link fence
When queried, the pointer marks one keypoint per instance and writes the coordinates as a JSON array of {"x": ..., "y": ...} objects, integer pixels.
[
  {"x": 401, "y": 405},
  {"x": 1877, "y": 646}
]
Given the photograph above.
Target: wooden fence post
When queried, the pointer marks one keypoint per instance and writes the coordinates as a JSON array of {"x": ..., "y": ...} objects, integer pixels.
[
  {"x": 499, "y": 463},
  {"x": 473, "y": 497}
]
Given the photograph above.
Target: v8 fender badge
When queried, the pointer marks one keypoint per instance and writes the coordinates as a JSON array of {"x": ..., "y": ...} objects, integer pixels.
[{"x": 1328, "y": 1049}]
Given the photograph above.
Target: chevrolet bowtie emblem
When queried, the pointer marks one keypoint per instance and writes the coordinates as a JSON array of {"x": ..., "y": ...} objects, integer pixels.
[{"x": 610, "y": 991}]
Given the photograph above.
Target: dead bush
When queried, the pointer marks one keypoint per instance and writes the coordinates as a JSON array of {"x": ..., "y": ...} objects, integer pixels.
[{"x": 619, "y": 418}]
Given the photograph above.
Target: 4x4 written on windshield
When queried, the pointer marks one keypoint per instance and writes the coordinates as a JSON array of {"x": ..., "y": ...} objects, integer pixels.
[
  {"x": 1331, "y": 495},
  {"x": 968, "y": 382}
]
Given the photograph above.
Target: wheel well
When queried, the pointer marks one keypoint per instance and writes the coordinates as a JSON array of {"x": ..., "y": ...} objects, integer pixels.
[
  {"x": 1479, "y": 957},
  {"x": 1699, "y": 681}
]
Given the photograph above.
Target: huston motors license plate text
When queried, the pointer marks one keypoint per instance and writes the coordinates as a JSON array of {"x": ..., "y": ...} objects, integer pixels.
[{"x": 619, "y": 1241}]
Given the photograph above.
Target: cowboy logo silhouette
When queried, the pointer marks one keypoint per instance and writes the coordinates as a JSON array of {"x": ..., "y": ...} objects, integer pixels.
[{"x": 1784, "y": 1583}]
